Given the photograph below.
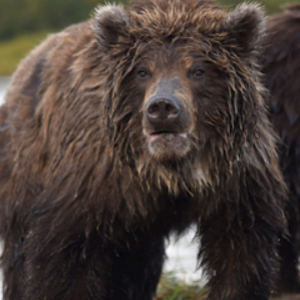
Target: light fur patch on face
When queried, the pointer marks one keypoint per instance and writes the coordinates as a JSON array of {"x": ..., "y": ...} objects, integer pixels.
[
  {"x": 201, "y": 177},
  {"x": 190, "y": 177},
  {"x": 185, "y": 98},
  {"x": 151, "y": 91}
]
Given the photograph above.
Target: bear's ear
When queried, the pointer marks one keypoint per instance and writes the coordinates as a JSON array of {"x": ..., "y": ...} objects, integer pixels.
[
  {"x": 109, "y": 23},
  {"x": 246, "y": 27}
]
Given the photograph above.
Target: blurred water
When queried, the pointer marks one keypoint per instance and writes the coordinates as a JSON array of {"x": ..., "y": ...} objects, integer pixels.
[
  {"x": 181, "y": 255},
  {"x": 182, "y": 258},
  {"x": 3, "y": 86}
]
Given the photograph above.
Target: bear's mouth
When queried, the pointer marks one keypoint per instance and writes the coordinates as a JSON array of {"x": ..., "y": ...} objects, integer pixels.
[
  {"x": 167, "y": 144},
  {"x": 166, "y": 134}
]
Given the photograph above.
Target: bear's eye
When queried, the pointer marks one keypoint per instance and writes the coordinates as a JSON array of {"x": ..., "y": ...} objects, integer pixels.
[
  {"x": 197, "y": 72},
  {"x": 142, "y": 73}
]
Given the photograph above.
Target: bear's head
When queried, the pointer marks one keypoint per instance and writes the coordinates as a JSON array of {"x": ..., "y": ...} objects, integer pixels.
[{"x": 183, "y": 82}]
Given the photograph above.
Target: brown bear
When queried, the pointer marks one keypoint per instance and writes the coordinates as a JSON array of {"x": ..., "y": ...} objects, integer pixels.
[
  {"x": 282, "y": 69},
  {"x": 134, "y": 125}
]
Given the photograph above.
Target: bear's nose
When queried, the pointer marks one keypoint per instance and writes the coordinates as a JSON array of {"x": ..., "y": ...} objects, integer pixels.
[{"x": 163, "y": 109}]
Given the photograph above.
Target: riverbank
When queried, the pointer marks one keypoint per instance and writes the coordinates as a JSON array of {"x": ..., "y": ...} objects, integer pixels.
[{"x": 14, "y": 50}]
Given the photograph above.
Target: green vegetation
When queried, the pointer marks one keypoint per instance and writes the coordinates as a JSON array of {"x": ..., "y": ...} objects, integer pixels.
[
  {"x": 19, "y": 16},
  {"x": 12, "y": 51},
  {"x": 271, "y": 6},
  {"x": 171, "y": 288}
]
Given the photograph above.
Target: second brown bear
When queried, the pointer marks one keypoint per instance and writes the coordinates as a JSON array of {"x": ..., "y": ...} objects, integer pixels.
[{"x": 136, "y": 124}]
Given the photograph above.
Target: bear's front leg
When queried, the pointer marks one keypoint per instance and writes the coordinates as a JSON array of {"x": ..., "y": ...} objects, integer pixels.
[
  {"x": 137, "y": 269},
  {"x": 93, "y": 267},
  {"x": 238, "y": 252}
]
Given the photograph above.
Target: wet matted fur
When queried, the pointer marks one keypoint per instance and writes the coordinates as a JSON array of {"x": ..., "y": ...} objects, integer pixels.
[
  {"x": 282, "y": 69},
  {"x": 138, "y": 123}
]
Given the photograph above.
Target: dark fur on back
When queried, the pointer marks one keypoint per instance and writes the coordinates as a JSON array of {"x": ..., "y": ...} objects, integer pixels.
[
  {"x": 282, "y": 69},
  {"x": 86, "y": 205}
]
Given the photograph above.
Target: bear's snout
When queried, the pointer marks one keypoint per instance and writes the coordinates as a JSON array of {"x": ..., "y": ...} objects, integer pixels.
[
  {"x": 164, "y": 111},
  {"x": 167, "y": 122}
]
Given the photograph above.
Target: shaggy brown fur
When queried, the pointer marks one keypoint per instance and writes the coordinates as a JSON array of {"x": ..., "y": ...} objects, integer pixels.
[
  {"x": 282, "y": 69},
  {"x": 117, "y": 132}
]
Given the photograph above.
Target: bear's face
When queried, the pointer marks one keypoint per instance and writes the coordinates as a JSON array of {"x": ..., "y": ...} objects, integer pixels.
[
  {"x": 177, "y": 90},
  {"x": 168, "y": 115},
  {"x": 180, "y": 72}
]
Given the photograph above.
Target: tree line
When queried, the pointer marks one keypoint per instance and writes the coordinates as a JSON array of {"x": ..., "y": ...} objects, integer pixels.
[{"x": 19, "y": 16}]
